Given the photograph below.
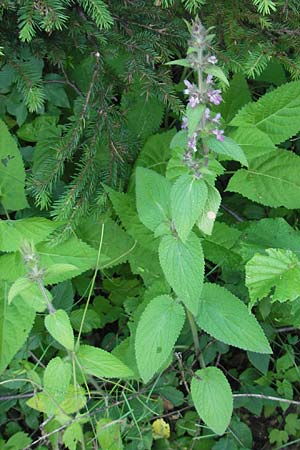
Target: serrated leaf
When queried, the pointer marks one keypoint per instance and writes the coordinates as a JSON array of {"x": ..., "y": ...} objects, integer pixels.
[
  {"x": 72, "y": 435},
  {"x": 57, "y": 377},
  {"x": 217, "y": 72},
  {"x": 157, "y": 331},
  {"x": 16, "y": 321},
  {"x": 183, "y": 266},
  {"x": 59, "y": 326},
  {"x": 30, "y": 293},
  {"x": 222, "y": 315},
  {"x": 152, "y": 197},
  {"x": 228, "y": 147},
  {"x": 188, "y": 198},
  {"x": 108, "y": 434},
  {"x": 194, "y": 116},
  {"x": 254, "y": 142},
  {"x": 99, "y": 363},
  {"x": 33, "y": 229},
  {"x": 278, "y": 269},
  {"x": 271, "y": 180},
  {"x": 276, "y": 113},
  {"x": 208, "y": 216},
  {"x": 212, "y": 397},
  {"x": 12, "y": 172}
]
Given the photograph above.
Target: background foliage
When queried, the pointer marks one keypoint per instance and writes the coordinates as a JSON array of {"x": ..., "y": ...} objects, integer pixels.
[{"x": 86, "y": 98}]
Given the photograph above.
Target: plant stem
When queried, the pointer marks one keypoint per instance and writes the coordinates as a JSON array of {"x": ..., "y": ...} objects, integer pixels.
[{"x": 194, "y": 331}]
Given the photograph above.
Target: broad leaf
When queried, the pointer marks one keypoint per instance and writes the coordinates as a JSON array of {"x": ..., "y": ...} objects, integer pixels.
[
  {"x": 226, "y": 318},
  {"x": 183, "y": 266},
  {"x": 278, "y": 269},
  {"x": 152, "y": 197},
  {"x": 208, "y": 216},
  {"x": 73, "y": 435},
  {"x": 30, "y": 293},
  {"x": 16, "y": 321},
  {"x": 99, "y": 363},
  {"x": 59, "y": 326},
  {"x": 236, "y": 96},
  {"x": 33, "y": 229},
  {"x": 254, "y": 142},
  {"x": 272, "y": 180},
  {"x": 157, "y": 332},
  {"x": 12, "y": 173},
  {"x": 228, "y": 147},
  {"x": 212, "y": 397},
  {"x": 75, "y": 399},
  {"x": 108, "y": 434},
  {"x": 277, "y": 113},
  {"x": 194, "y": 116},
  {"x": 217, "y": 72},
  {"x": 57, "y": 377},
  {"x": 188, "y": 198}
]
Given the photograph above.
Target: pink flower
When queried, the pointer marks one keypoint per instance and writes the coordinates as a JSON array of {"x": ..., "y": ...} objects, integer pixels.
[
  {"x": 190, "y": 87},
  {"x": 214, "y": 96},
  {"x": 209, "y": 79},
  {"x": 219, "y": 134},
  {"x": 217, "y": 118},
  {"x": 207, "y": 113},
  {"x": 212, "y": 60},
  {"x": 192, "y": 142},
  {"x": 184, "y": 123},
  {"x": 194, "y": 101}
]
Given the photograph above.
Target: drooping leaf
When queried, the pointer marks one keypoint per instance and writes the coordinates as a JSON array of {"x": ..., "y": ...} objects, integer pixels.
[
  {"x": 188, "y": 198},
  {"x": 183, "y": 266},
  {"x": 108, "y": 434},
  {"x": 12, "y": 173},
  {"x": 254, "y": 142},
  {"x": 99, "y": 363},
  {"x": 57, "y": 377},
  {"x": 228, "y": 147},
  {"x": 33, "y": 229},
  {"x": 157, "y": 332},
  {"x": 152, "y": 197},
  {"x": 276, "y": 113},
  {"x": 212, "y": 397},
  {"x": 59, "y": 326},
  {"x": 222, "y": 315},
  {"x": 272, "y": 180},
  {"x": 208, "y": 216},
  {"x": 16, "y": 321},
  {"x": 278, "y": 269}
]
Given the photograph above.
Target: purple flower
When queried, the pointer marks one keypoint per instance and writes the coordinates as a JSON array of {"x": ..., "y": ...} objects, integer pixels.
[
  {"x": 212, "y": 60},
  {"x": 214, "y": 96},
  {"x": 217, "y": 118},
  {"x": 209, "y": 79},
  {"x": 219, "y": 134},
  {"x": 190, "y": 87},
  {"x": 184, "y": 123},
  {"x": 207, "y": 113},
  {"x": 194, "y": 101},
  {"x": 192, "y": 142}
]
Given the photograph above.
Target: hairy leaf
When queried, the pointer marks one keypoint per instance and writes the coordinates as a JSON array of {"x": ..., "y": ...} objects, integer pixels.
[
  {"x": 59, "y": 326},
  {"x": 212, "y": 397},
  {"x": 157, "y": 332}
]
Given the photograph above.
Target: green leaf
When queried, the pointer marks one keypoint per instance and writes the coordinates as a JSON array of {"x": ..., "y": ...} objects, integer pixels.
[
  {"x": 271, "y": 180},
  {"x": 277, "y": 113},
  {"x": 73, "y": 435},
  {"x": 12, "y": 173},
  {"x": 75, "y": 400},
  {"x": 183, "y": 266},
  {"x": 157, "y": 331},
  {"x": 223, "y": 316},
  {"x": 278, "y": 269},
  {"x": 59, "y": 326},
  {"x": 179, "y": 140},
  {"x": 208, "y": 216},
  {"x": 178, "y": 62},
  {"x": 16, "y": 321},
  {"x": 253, "y": 142},
  {"x": 260, "y": 361},
  {"x": 236, "y": 96},
  {"x": 212, "y": 396},
  {"x": 18, "y": 441},
  {"x": 188, "y": 198},
  {"x": 30, "y": 293},
  {"x": 57, "y": 377},
  {"x": 14, "y": 232},
  {"x": 194, "y": 116},
  {"x": 41, "y": 127},
  {"x": 152, "y": 197},
  {"x": 217, "y": 72},
  {"x": 99, "y": 363},
  {"x": 227, "y": 147},
  {"x": 109, "y": 435}
]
